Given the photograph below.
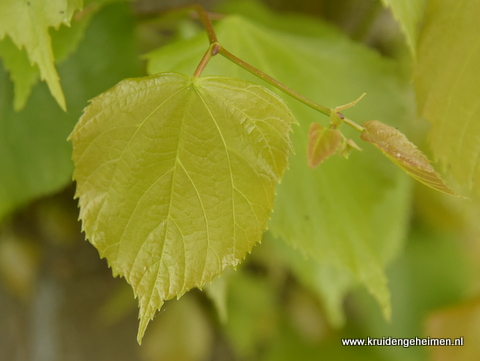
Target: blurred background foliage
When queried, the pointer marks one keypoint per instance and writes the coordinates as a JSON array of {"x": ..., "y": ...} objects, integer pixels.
[{"x": 59, "y": 301}]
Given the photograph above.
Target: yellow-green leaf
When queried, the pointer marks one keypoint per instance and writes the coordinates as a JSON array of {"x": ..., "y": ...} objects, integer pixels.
[
  {"x": 322, "y": 143},
  {"x": 27, "y": 23},
  {"x": 176, "y": 178},
  {"x": 395, "y": 145},
  {"x": 448, "y": 88}
]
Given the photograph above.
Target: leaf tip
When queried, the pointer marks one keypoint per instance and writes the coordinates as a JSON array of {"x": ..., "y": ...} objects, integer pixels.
[{"x": 146, "y": 314}]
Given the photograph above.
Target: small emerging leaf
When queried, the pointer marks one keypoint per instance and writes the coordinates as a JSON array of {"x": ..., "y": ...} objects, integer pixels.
[
  {"x": 322, "y": 143},
  {"x": 176, "y": 178},
  {"x": 395, "y": 145},
  {"x": 346, "y": 147}
]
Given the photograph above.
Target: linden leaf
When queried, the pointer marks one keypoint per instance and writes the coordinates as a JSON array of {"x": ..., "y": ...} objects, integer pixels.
[
  {"x": 27, "y": 23},
  {"x": 322, "y": 143},
  {"x": 176, "y": 178},
  {"x": 395, "y": 145}
]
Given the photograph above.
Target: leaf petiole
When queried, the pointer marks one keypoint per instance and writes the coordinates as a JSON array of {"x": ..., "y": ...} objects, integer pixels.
[
  {"x": 274, "y": 82},
  {"x": 216, "y": 48},
  {"x": 353, "y": 124},
  {"x": 212, "y": 50},
  {"x": 207, "y": 23}
]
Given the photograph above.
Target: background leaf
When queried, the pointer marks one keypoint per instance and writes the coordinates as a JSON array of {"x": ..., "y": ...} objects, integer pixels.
[
  {"x": 319, "y": 211},
  {"x": 188, "y": 169},
  {"x": 27, "y": 23},
  {"x": 446, "y": 81},
  {"x": 33, "y": 147},
  {"x": 64, "y": 41}
]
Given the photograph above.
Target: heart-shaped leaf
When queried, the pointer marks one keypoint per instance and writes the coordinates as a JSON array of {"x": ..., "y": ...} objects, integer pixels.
[{"x": 176, "y": 178}]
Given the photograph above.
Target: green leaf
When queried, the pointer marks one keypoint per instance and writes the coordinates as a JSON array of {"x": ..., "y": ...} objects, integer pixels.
[
  {"x": 187, "y": 168},
  {"x": 446, "y": 81},
  {"x": 35, "y": 157},
  {"x": 395, "y": 145},
  {"x": 328, "y": 283},
  {"x": 409, "y": 14},
  {"x": 253, "y": 313},
  {"x": 36, "y": 17},
  {"x": 350, "y": 214},
  {"x": 65, "y": 41},
  {"x": 322, "y": 143}
]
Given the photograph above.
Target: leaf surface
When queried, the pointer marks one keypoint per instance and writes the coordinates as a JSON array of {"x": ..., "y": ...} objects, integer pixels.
[
  {"x": 409, "y": 14},
  {"x": 176, "y": 178},
  {"x": 446, "y": 81},
  {"x": 27, "y": 23},
  {"x": 395, "y": 145}
]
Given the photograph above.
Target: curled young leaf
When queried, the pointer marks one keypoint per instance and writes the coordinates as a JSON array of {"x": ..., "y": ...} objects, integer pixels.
[
  {"x": 395, "y": 145},
  {"x": 322, "y": 143}
]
